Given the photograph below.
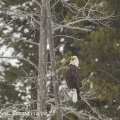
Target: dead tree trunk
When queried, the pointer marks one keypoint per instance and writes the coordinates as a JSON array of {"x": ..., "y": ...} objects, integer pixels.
[
  {"x": 42, "y": 92},
  {"x": 53, "y": 62},
  {"x": 46, "y": 32}
]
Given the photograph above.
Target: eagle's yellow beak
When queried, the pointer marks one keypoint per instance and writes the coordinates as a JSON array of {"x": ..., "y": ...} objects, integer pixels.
[{"x": 72, "y": 58}]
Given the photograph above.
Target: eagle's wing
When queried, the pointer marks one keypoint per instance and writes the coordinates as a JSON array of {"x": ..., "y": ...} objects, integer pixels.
[
  {"x": 68, "y": 77},
  {"x": 78, "y": 76},
  {"x": 73, "y": 77}
]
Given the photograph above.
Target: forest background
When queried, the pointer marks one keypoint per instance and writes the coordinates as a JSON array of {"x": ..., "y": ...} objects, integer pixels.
[{"x": 98, "y": 51}]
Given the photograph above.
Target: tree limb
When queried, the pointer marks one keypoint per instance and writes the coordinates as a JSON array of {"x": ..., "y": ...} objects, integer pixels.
[
  {"x": 67, "y": 36},
  {"x": 118, "y": 81},
  {"x": 22, "y": 40},
  {"x": 21, "y": 59}
]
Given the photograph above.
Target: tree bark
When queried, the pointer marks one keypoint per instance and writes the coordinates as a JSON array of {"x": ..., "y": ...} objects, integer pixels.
[
  {"x": 42, "y": 92},
  {"x": 53, "y": 63},
  {"x": 46, "y": 32}
]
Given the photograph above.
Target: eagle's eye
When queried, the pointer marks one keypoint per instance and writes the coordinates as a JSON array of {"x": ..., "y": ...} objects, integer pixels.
[{"x": 71, "y": 59}]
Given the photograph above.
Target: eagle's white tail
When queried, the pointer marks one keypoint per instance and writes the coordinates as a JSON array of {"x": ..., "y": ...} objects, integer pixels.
[{"x": 74, "y": 95}]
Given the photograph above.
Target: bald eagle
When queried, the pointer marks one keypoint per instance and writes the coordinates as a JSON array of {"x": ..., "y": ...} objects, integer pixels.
[{"x": 74, "y": 78}]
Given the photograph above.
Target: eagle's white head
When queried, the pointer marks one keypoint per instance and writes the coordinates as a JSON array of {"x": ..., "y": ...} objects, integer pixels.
[{"x": 74, "y": 60}]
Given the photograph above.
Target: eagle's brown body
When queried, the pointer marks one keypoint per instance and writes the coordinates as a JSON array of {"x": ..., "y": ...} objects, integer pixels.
[{"x": 74, "y": 78}]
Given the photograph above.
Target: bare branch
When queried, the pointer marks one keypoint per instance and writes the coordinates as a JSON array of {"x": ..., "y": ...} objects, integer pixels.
[
  {"x": 92, "y": 12},
  {"x": 21, "y": 59},
  {"x": 55, "y": 3},
  {"x": 38, "y": 3},
  {"x": 117, "y": 80},
  {"x": 100, "y": 117},
  {"x": 67, "y": 36},
  {"x": 22, "y": 39}
]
